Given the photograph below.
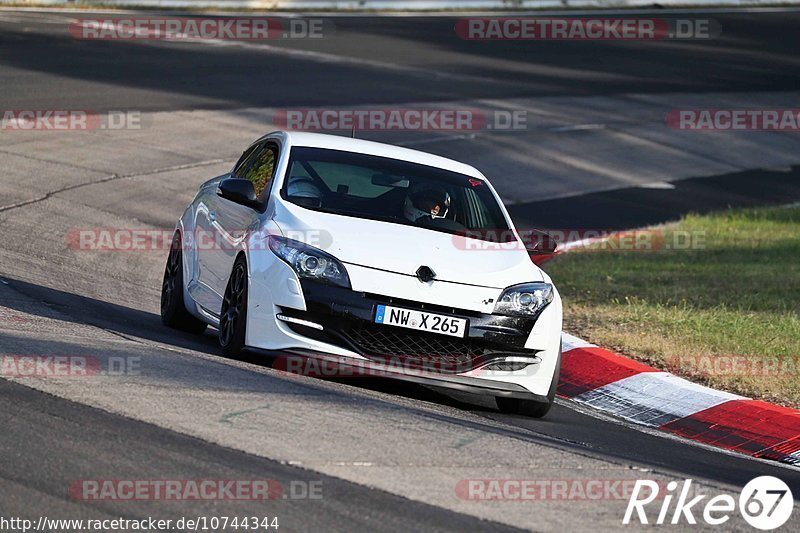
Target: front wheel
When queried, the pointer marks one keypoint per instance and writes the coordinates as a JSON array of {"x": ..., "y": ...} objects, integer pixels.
[
  {"x": 233, "y": 315},
  {"x": 532, "y": 408}
]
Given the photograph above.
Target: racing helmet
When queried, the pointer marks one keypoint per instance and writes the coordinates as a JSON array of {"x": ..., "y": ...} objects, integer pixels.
[
  {"x": 426, "y": 201},
  {"x": 304, "y": 189}
]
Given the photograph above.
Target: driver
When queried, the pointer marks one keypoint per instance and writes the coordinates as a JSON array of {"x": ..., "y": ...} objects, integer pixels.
[{"x": 426, "y": 203}]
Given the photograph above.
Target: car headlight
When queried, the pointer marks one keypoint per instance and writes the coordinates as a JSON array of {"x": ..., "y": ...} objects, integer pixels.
[
  {"x": 309, "y": 262},
  {"x": 527, "y": 299}
]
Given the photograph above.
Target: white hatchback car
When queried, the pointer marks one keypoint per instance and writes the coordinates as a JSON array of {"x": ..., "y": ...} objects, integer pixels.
[{"x": 370, "y": 255}]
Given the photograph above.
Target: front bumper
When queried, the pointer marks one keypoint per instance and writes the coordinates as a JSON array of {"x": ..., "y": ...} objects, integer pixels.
[
  {"x": 307, "y": 362},
  {"x": 346, "y": 317}
]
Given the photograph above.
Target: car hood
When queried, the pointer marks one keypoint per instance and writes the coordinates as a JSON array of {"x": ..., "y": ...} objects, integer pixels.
[{"x": 404, "y": 249}]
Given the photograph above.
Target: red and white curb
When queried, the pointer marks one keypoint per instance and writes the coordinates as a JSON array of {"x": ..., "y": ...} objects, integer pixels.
[{"x": 647, "y": 396}]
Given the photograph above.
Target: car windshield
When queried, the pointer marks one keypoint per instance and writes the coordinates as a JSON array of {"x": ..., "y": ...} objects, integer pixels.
[{"x": 379, "y": 188}]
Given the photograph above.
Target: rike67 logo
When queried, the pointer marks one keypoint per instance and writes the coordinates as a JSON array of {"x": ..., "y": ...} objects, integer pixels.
[{"x": 766, "y": 503}]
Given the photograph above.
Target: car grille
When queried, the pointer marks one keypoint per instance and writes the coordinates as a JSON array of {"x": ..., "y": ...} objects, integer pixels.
[{"x": 419, "y": 350}]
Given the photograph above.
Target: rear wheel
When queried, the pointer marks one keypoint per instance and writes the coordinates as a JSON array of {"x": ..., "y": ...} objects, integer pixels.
[
  {"x": 233, "y": 315},
  {"x": 173, "y": 308},
  {"x": 532, "y": 408}
]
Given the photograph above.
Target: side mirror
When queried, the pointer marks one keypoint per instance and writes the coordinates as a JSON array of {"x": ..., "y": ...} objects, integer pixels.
[
  {"x": 240, "y": 191},
  {"x": 541, "y": 243}
]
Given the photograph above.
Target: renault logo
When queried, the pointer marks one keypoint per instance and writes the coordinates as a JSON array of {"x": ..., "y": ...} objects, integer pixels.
[{"x": 425, "y": 274}]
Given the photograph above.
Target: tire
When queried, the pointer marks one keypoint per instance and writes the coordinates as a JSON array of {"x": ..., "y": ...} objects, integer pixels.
[
  {"x": 233, "y": 315},
  {"x": 173, "y": 308},
  {"x": 532, "y": 408}
]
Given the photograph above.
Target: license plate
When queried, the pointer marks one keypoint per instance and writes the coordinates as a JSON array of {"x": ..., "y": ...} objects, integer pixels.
[{"x": 420, "y": 320}]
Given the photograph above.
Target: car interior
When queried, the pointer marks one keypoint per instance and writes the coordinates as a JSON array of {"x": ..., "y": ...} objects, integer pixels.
[{"x": 378, "y": 193}]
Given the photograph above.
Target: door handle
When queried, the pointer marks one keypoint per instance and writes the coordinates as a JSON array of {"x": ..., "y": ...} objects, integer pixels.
[{"x": 212, "y": 216}]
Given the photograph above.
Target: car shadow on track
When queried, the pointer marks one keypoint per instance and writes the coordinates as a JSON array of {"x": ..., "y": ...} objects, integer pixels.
[
  {"x": 134, "y": 323},
  {"x": 119, "y": 319}
]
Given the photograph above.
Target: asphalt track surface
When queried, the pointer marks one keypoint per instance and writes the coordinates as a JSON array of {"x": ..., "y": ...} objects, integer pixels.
[
  {"x": 756, "y": 52},
  {"x": 387, "y": 454}
]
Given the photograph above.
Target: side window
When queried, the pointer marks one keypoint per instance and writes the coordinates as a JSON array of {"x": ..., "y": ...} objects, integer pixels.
[
  {"x": 262, "y": 169},
  {"x": 244, "y": 161}
]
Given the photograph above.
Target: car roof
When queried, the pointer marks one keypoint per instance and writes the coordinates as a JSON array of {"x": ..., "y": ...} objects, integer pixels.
[{"x": 348, "y": 144}]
